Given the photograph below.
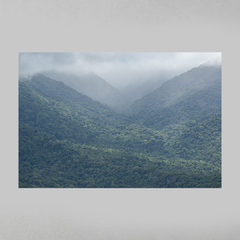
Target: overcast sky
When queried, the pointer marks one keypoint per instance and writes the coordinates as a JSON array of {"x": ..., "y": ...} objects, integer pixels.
[{"x": 118, "y": 69}]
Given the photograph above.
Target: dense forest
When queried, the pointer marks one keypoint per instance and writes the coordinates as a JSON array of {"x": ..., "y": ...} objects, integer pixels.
[{"x": 170, "y": 138}]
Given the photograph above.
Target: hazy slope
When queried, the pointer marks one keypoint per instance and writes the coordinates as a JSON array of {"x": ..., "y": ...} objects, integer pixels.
[
  {"x": 196, "y": 107},
  {"x": 51, "y": 106},
  {"x": 91, "y": 85},
  {"x": 142, "y": 87},
  {"x": 190, "y": 96},
  {"x": 136, "y": 91},
  {"x": 172, "y": 90},
  {"x": 66, "y": 139}
]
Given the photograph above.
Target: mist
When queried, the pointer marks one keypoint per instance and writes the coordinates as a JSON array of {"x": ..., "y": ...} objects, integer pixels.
[{"x": 118, "y": 69}]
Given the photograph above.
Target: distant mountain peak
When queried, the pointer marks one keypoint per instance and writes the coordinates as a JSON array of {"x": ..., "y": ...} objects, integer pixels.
[
  {"x": 177, "y": 88},
  {"x": 91, "y": 85}
]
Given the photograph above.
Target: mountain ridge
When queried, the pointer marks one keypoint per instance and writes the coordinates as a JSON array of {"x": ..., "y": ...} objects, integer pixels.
[
  {"x": 66, "y": 139},
  {"x": 92, "y": 85},
  {"x": 173, "y": 89}
]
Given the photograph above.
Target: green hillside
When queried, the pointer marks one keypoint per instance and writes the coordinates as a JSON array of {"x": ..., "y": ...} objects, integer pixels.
[
  {"x": 68, "y": 140},
  {"x": 172, "y": 91},
  {"x": 189, "y": 109}
]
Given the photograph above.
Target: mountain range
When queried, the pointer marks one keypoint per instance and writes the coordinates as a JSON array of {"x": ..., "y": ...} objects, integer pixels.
[
  {"x": 170, "y": 137},
  {"x": 190, "y": 96},
  {"x": 92, "y": 86}
]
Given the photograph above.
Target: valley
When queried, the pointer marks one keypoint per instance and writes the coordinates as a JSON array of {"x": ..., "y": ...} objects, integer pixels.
[{"x": 80, "y": 132}]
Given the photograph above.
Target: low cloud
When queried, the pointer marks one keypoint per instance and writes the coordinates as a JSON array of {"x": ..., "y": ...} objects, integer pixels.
[{"x": 119, "y": 69}]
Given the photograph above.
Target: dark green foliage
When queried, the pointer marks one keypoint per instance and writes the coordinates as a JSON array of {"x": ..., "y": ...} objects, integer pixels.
[
  {"x": 191, "y": 108},
  {"x": 68, "y": 140},
  {"x": 193, "y": 94},
  {"x": 201, "y": 142},
  {"x": 171, "y": 91},
  {"x": 50, "y": 163}
]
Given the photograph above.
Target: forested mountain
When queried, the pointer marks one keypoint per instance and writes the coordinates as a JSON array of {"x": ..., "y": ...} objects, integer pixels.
[
  {"x": 91, "y": 85},
  {"x": 176, "y": 88},
  {"x": 191, "y": 96},
  {"x": 202, "y": 141},
  {"x": 51, "y": 106},
  {"x": 66, "y": 139}
]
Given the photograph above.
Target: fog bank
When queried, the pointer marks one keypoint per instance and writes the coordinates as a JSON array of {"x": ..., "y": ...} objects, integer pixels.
[{"x": 119, "y": 69}]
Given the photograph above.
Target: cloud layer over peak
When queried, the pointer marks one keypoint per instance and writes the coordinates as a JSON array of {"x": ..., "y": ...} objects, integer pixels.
[{"x": 117, "y": 68}]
